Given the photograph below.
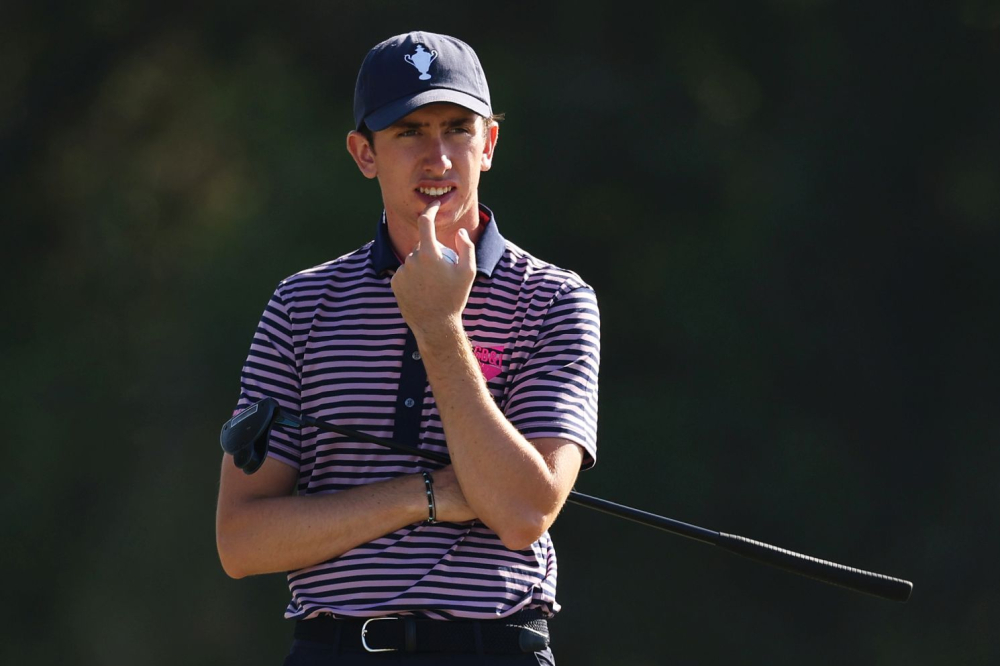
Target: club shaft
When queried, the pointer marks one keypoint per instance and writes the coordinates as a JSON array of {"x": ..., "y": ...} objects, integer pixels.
[
  {"x": 365, "y": 437},
  {"x": 645, "y": 518},
  {"x": 859, "y": 580}
]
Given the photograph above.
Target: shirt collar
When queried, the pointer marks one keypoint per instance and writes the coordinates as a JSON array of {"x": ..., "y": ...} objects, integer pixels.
[{"x": 489, "y": 248}]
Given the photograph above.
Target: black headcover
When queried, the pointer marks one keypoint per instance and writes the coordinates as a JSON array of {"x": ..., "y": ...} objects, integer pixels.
[{"x": 247, "y": 435}]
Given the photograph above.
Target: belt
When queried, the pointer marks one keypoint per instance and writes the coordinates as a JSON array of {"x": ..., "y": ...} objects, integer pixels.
[{"x": 526, "y": 631}]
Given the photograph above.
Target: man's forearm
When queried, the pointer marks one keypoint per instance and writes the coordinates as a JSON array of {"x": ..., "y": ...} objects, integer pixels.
[
  {"x": 270, "y": 534},
  {"x": 504, "y": 478}
]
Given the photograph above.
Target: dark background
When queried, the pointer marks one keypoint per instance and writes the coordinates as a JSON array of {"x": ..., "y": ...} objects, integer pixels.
[{"x": 789, "y": 210}]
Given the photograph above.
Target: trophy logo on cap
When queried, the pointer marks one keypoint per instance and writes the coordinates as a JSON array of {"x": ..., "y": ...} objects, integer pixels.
[{"x": 422, "y": 60}]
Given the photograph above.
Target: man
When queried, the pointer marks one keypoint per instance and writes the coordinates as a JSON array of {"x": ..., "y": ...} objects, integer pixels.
[{"x": 442, "y": 335}]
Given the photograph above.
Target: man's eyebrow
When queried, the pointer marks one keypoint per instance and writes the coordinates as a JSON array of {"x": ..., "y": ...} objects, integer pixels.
[
  {"x": 457, "y": 121},
  {"x": 407, "y": 124},
  {"x": 466, "y": 119}
]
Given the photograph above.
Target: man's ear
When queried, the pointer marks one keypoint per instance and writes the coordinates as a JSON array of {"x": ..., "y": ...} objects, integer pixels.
[
  {"x": 362, "y": 152},
  {"x": 492, "y": 134}
]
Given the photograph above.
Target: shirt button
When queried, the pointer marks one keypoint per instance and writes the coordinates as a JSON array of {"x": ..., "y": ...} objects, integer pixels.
[
  {"x": 409, "y": 402},
  {"x": 415, "y": 356}
]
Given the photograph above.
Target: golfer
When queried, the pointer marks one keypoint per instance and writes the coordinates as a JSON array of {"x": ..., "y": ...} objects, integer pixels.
[{"x": 440, "y": 334}]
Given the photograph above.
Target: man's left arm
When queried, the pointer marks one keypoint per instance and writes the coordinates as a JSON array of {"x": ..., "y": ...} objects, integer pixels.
[{"x": 515, "y": 486}]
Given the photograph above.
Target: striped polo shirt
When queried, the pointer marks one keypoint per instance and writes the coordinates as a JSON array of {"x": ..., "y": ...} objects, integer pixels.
[{"x": 332, "y": 344}]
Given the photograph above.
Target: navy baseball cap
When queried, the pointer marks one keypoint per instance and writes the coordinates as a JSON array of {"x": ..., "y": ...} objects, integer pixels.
[{"x": 407, "y": 71}]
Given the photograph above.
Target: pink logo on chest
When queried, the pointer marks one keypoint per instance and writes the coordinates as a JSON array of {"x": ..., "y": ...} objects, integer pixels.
[{"x": 490, "y": 360}]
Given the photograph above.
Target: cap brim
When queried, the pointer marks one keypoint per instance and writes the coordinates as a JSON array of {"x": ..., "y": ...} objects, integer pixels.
[{"x": 390, "y": 113}]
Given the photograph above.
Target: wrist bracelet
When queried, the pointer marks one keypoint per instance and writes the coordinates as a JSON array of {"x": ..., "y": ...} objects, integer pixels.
[{"x": 431, "y": 510}]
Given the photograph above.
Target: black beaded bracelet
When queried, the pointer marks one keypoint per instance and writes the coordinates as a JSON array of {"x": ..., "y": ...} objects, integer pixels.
[{"x": 431, "y": 510}]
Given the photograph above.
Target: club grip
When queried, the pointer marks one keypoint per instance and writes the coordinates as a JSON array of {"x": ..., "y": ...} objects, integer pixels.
[{"x": 828, "y": 572}]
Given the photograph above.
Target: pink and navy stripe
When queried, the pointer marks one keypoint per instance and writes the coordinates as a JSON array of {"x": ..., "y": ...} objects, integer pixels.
[{"x": 332, "y": 344}]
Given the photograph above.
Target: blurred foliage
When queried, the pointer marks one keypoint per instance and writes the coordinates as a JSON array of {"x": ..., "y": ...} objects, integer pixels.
[{"x": 789, "y": 210}]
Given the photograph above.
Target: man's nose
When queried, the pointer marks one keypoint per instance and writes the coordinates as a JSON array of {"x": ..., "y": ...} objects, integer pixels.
[{"x": 437, "y": 160}]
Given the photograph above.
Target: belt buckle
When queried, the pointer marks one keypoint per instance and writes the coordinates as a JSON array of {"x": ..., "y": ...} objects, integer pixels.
[{"x": 364, "y": 630}]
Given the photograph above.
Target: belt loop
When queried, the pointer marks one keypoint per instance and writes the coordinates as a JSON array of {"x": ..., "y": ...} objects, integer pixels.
[
  {"x": 336, "y": 637},
  {"x": 477, "y": 632},
  {"x": 410, "y": 632}
]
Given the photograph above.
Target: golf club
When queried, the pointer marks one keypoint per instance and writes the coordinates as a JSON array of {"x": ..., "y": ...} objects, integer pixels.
[{"x": 246, "y": 437}]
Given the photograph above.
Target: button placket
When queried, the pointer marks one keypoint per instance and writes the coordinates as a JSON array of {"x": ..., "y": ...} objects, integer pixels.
[{"x": 410, "y": 396}]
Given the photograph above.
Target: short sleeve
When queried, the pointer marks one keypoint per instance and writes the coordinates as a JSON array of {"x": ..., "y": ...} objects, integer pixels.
[
  {"x": 554, "y": 393},
  {"x": 271, "y": 371}
]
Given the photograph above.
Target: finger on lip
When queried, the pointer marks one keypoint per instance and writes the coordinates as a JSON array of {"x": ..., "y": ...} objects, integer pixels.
[
  {"x": 425, "y": 223},
  {"x": 431, "y": 209}
]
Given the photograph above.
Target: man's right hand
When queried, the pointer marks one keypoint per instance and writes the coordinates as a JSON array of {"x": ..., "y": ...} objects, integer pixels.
[{"x": 449, "y": 501}]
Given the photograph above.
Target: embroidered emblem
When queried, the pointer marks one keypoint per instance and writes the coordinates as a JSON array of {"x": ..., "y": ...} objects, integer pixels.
[
  {"x": 421, "y": 59},
  {"x": 490, "y": 360}
]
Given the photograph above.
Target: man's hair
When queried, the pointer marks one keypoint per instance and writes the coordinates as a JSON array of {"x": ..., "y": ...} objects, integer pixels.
[{"x": 487, "y": 121}]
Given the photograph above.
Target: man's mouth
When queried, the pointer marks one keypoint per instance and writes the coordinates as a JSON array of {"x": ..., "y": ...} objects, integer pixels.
[{"x": 435, "y": 191}]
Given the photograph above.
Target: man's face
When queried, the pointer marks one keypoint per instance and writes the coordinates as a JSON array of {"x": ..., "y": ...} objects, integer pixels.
[{"x": 435, "y": 152}]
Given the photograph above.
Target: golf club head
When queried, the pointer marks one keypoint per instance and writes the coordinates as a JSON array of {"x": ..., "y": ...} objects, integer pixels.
[{"x": 247, "y": 435}]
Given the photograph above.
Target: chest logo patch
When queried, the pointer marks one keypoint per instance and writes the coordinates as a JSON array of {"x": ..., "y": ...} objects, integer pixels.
[{"x": 490, "y": 360}]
